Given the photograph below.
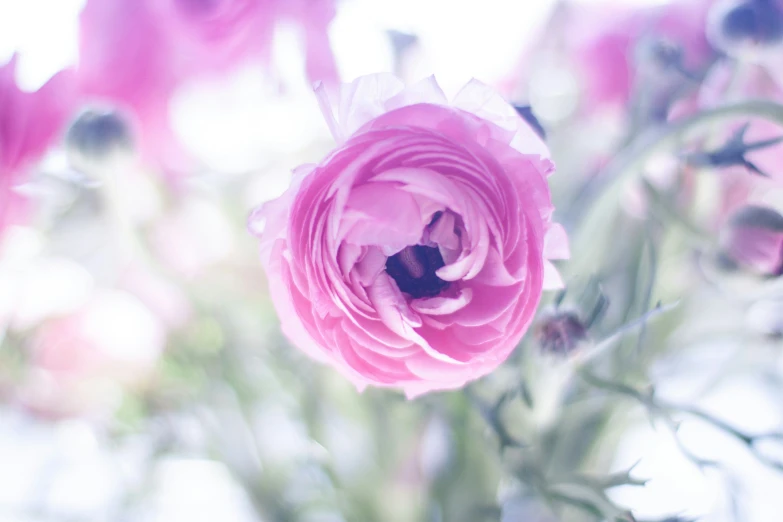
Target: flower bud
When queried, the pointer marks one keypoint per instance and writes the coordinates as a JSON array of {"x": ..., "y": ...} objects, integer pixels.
[
  {"x": 752, "y": 240},
  {"x": 746, "y": 28},
  {"x": 560, "y": 332},
  {"x": 96, "y": 136}
]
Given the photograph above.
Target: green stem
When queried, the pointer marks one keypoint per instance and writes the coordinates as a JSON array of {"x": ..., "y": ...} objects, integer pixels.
[{"x": 665, "y": 138}]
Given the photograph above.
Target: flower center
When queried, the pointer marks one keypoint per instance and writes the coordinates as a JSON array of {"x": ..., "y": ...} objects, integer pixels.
[{"x": 413, "y": 269}]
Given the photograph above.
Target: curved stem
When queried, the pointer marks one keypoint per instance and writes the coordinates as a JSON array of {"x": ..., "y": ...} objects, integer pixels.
[{"x": 665, "y": 138}]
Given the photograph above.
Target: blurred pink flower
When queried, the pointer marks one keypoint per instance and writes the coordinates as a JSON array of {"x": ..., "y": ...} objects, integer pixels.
[
  {"x": 125, "y": 60},
  {"x": 217, "y": 34},
  {"x": 81, "y": 363},
  {"x": 135, "y": 53},
  {"x": 415, "y": 254},
  {"x": 314, "y": 16},
  {"x": 29, "y": 124},
  {"x": 612, "y": 50}
]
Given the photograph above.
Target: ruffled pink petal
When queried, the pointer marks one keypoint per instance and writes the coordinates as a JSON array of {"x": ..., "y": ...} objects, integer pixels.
[
  {"x": 392, "y": 308},
  {"x": 483, "y": 101},
  {"x": 395, "y": 313},
  {"x": 365, "y": 98},
  {"x": 377, "y": 214},
  {"x": 443, "y": 232},
  {"x": 494, "y": 271},
  {"x": 424, "y": 91},
  {"x": 556, "y": 243},
  {"x": 373, "y": 262},
  {"x": 552, "y": 278},
  {"x": 322, "y": 97},
  {"x": 443, "y": 305}
]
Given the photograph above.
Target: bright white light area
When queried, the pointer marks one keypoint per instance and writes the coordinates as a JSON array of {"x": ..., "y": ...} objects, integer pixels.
[
  {"x": 45, "y": 35},
  {"x": 460, "y": 39},
  {"x": 677, "y": 486},
  {"x": 197, "y": 490},
  {"x": 236, "y": 122},
  {"x": 630, "y": 3}
]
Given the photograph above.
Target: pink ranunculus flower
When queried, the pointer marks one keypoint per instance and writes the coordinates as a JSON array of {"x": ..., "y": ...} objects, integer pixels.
[
  {"x": 415, "y": 254},
  {"x": 29, "y": 123}
]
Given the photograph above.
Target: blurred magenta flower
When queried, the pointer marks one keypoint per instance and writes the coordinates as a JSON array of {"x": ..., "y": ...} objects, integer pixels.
[
  {"x": 415, "y": 254},
  {"x": 134, "y": 54},
  {"x": 753, "y": 240},
  {"x": 29, "y": 123},
  {"x": 81, "y": 363},
  {"x": 126, "y": 61},
  {"x": 612, "y": 52},
  {"x": 217, "y": 34}
]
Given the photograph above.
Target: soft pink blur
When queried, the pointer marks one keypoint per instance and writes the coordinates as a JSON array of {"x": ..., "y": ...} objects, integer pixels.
[
  {"x": 135, "y": 53},
  {"x": 81, "y": 363},
  {"x": 467, "y": 177},
  {"x": 30, "y": 122},
  {"x": 730, "y": 82},
  {"x": 603, "y": 41}
]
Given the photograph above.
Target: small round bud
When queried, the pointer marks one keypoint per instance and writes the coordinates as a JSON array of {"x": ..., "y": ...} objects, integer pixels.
[
  {"x": 560, "y": 332},
  {"x": 746, "y": 28},
  {"x": 752, "y": 240},
  {"x": 96, "y": 136}
]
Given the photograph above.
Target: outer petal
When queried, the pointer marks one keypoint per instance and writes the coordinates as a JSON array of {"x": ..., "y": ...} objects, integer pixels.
[
  {"x": 29, "y": 123},
  {"x": 556, "y": 243},
  {"x": 552, "y": 278},
  {"x": 479, "y": 99}
]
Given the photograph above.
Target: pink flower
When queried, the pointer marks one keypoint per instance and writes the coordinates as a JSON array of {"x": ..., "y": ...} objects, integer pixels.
[
  {"x": 614, "y": 52},
  {"x": 29, "y": 123},
  {"x": 218, "y": 34},
  {"x": 136, "y": 53},
  {"x": 126, "y": 60},
  {"x": 415, "y": 254}
]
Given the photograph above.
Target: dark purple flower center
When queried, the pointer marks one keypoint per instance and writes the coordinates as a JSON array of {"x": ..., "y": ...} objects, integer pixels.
[
  {"x": 413, "y": 269},
  {"x": 561, "y": 333}
]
